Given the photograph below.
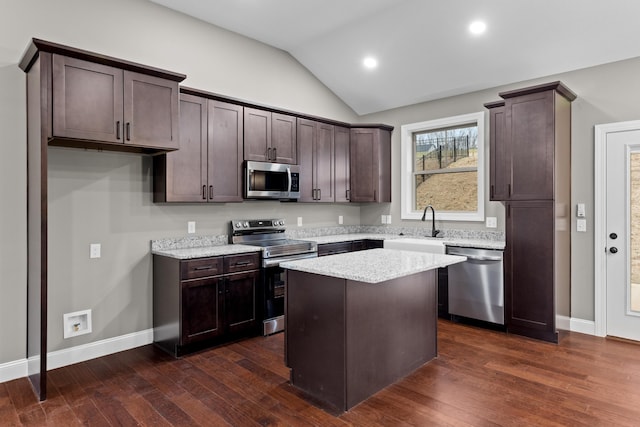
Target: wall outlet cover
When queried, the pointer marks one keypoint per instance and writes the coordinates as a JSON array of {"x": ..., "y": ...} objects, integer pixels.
[
  {"x": 95, "y": 250},
  {"x": 492, "y": 222},
  {"x": 383, "y": 219},
  {"x": 299, "y": 221},
  {"x": 581, "y": 225},
  {"x": 340, "y": 219},
  {"x": 388, "y": 219},
  {"x": 191, "y": 227}
]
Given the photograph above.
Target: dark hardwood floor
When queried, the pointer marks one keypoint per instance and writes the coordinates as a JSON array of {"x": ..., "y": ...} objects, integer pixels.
[{"x": 481, "y": 378}]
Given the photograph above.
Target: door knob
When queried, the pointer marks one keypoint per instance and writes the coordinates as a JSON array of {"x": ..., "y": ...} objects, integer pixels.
[
  {"x": 613, "y": 250},
  {"x": 613, "y": 236}
]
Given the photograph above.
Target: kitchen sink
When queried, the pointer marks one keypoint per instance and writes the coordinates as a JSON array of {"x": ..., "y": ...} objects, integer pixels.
[{"x": 418, "y": 245}]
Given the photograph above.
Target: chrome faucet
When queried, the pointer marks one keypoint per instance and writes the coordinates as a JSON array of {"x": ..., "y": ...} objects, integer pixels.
[{"x": 434, "y": 232}]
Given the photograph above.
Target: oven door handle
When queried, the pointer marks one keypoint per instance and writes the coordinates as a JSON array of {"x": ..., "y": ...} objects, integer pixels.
[{"x": 274, "y": 262}]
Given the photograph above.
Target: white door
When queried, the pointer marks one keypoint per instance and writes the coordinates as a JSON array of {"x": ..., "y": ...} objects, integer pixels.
[{"x": 622, "y": 240}]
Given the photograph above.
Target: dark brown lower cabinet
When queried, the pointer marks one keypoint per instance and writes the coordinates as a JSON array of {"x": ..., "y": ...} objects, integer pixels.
[
  {"x": 530, "y": 269},
  {"x": 205, "y": 301},
  {"x": 350, "y": 246}
]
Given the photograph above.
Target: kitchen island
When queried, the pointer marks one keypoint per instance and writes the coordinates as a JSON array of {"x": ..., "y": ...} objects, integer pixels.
[{"x": 357, "y": 322}]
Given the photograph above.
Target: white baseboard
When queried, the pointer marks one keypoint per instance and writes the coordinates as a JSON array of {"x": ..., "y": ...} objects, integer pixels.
[
  {"x": 563, "y": 323},
  {"x": 68, "y": 356},
  {"x": 583, "y": 326}
]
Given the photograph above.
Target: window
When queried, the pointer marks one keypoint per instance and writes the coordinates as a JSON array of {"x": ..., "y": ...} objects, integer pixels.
[{"x": 443, "y": 166}]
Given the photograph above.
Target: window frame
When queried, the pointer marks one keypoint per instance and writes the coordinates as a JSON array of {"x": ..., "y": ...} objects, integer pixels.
[{"x": 407, "y": 180}]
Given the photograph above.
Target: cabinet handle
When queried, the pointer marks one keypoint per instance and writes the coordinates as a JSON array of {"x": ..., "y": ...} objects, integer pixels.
[
  {"x": 204, "y": 192},
  {"x": 319, "y": 193},
  {"x": 491, "y": 192},
  {"x": 118, "y": 129},
  {"x": 347, "y": 194},
  {"x": 206, "y": 267},
  {"x": 275, "y": 153},
  {"x": 375, "y": 198},
  {"x": 509, "y": 189},
  {"x": 269, "y": 153},
  {"x": 211, "y": 192},
  {"x": 313, "y": 194},
  {"x": 240, "y": 263},
  {"x": 128, "y": 131}
]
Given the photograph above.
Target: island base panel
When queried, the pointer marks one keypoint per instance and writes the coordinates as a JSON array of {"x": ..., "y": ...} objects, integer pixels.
[{"x": 346, "y": 340}]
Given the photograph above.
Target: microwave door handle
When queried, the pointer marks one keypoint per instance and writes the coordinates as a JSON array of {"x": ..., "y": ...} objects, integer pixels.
[{"x": 289, "y": 180}]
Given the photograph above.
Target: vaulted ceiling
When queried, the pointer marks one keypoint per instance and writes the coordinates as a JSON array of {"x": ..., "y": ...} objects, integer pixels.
[{"x": 423, "y": 47}]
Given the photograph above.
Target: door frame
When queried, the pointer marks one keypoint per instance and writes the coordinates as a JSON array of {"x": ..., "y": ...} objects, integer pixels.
[{"x": 600, "y": 218}]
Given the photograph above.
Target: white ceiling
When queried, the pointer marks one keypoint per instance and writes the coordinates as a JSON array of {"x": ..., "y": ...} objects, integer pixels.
[{"x": 423, "y": 47}]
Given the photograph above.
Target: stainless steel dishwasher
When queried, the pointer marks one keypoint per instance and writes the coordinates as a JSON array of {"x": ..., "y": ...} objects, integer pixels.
[{"x": 476, "y": 286}]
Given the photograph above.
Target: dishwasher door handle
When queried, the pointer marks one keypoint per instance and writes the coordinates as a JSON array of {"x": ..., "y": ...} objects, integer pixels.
[{"x": 483, "y": 258}]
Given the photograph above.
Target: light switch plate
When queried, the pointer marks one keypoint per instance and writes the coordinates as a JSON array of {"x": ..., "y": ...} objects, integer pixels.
[
  {"x": 580, "y": 211},
  {"x": 581, "y": 225},
  {"x": 191, "y": 227},
  {"x": 94, "y": 250},
  {"x": 492, "y": 222}
]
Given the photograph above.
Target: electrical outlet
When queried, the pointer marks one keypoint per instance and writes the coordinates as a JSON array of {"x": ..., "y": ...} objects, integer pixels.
[
  {"x": 492, "y": 222},
  {"x": 94, "y": 250},
  {"x": 191, "y": 227},
  {"x": 340, "y": 219},
  {"x": 383, "y": 219},
  {"x": 388, "y": 219},
  {"x": 299, "y": 221}
]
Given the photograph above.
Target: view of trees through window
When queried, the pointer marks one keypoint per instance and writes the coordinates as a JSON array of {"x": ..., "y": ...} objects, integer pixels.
[{"x": 446, "y": 168}]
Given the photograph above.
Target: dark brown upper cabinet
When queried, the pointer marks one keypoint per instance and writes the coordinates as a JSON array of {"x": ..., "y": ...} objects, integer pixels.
[
  {"x": 370, "y": 160},
  {"x": 524, "y": 130},
  {"x": 341, "y": 137},
  {"x": 269, "y": 136},
  {"x": 208, "y": 165},
  {"x": 95, "y": 102},
  {"x": 316, "y": 160}
]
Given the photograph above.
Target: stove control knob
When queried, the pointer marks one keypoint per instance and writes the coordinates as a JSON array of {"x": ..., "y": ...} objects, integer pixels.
[
  {"x": 238, "y": 225},
  {"x": 246, "y": 224},
  {"x": 281, "y": 222}
]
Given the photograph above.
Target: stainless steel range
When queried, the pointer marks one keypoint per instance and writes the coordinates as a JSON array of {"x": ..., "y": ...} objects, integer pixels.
[{"x": 269, "y": 234}]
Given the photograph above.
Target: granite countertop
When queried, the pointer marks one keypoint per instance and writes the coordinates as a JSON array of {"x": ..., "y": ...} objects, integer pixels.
[
  {"x": 206, "y": 251},
  {"x": 453, "y": 241},
  {"x": 374, "y": 265}
]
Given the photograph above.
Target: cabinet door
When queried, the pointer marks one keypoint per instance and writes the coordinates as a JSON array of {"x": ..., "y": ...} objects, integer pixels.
[
  {"x": 150, "y": 111},
  {"x": 87, "y": 100},
  {"x": 181, "y": 175},
  {"x": 306, "y": 144},
  {"x": 283, "y": 139},
  {"x": 341, "y": 163},
  {"x": 201, "y": 309},
  {"x": 529, "y": 269},
  {"x": 241, "y": 302},
  {"x": 225, "y": 152},
  {"x": 370, "y": 159},
  {"x": 323, "y": 163},
  {"x": 500, "y": 173},
  {"x": 257, "y": 135},
  {"x": 529, "y": 121}
]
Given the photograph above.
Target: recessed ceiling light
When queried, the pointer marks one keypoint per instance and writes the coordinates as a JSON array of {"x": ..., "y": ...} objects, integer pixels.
[
  {"x": 370, "y": 62},
  {"x": 477, "y": 27}
]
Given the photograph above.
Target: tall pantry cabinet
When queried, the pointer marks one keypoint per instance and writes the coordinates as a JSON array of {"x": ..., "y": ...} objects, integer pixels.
[{"x": 530, "y": 171}]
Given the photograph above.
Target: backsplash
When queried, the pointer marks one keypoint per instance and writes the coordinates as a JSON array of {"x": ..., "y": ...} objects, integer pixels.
[{"x": 204, "y": 241}]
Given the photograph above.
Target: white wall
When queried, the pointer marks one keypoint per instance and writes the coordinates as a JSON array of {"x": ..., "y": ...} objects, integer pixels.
[
  {"x": 606, "y": 93},
  {"x": 98, "y": 197}
]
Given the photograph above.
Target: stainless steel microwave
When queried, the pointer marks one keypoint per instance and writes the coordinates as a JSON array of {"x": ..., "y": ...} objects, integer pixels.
[{"x": 277, "y": 181}]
